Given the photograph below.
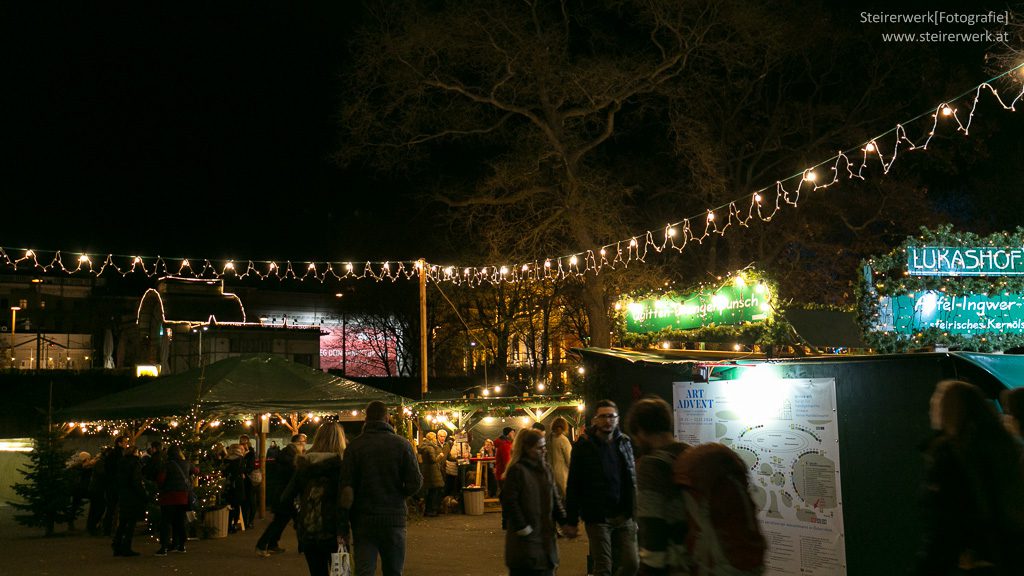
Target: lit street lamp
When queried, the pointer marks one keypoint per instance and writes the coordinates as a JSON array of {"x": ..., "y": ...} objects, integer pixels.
[
  {"x": 200, "y": 332},
  {"x": 14, "y": 319}
]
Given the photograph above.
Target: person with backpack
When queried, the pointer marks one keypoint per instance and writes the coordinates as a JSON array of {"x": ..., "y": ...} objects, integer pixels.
[
  {"x": 320, "y": 523},
  {"x": 660, "y": 505},
  {"x": 601, "y": 490},
  {"x": 724, "y": 536}
]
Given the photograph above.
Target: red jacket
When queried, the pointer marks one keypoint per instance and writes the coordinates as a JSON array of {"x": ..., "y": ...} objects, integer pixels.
[{"x": 502, "y": 454}]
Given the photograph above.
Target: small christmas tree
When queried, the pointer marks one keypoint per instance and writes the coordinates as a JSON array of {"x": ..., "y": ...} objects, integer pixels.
[{"x": 47, "y": 493}]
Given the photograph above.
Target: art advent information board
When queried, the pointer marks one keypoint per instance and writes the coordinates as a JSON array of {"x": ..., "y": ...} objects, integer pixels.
[{"x": 786, "y": 431}]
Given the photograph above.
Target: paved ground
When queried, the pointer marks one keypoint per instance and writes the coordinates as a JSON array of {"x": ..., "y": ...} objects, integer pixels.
[{"x": 456, "y": 545}]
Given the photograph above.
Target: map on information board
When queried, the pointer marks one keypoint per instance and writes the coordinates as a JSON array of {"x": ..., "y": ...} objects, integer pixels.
[{"x": 786, "y": 432}]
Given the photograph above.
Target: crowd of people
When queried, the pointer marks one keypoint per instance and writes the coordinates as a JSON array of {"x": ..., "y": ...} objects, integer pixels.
[
  {"x": 125, "y": 485},
  {"x": 668, "y": 509},
  {"x": 675, "y": 509}
]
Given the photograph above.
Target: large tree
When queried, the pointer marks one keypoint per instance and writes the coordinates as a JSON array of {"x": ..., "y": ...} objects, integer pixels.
[
  {"x": 535, "y": 88},
  {"x": 550, "y": 128}
]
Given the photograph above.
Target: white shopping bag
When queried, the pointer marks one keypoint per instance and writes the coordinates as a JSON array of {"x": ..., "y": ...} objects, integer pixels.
[{"x": 341, "y": 563}]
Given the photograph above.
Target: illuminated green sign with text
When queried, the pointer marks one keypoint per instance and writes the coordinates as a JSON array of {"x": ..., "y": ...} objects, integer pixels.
[
  {"x": 730, "y": 305},
  {"x": 965, "y": 261},
  {"x": 966, "y": 315}
]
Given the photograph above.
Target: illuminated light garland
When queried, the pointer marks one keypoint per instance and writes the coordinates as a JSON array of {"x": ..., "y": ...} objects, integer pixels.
[{"x": 676, "y": 235}]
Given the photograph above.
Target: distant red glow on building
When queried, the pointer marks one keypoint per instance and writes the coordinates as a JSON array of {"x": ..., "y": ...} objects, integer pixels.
[{"x": 357, "y": 351}]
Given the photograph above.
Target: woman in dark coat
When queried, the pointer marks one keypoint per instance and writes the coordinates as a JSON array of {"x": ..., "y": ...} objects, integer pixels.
[
  {"x": 974, "y": 493},
  {"x": 531, "y": 505},
  {"x": 433, "y": 480},
  {"x": 175, "y": 482},
  {"x": 234, "y": 484}
]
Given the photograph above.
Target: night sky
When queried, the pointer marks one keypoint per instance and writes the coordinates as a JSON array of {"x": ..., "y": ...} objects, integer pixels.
[{"x": 207, "y": 130}]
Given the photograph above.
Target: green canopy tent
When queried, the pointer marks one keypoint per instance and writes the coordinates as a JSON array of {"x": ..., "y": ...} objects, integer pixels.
[
  {"x": 251, "y": 384},
  {"x": 237, "y": 386}
]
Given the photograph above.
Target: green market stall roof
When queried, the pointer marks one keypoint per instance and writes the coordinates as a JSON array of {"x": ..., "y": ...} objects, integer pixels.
[
  {"x": 991, "y": 372},
  {"x": 248, "y": 384}
]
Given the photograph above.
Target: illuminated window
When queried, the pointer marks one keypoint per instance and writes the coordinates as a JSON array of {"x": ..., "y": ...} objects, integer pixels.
[{"x": 23, "y": 304}]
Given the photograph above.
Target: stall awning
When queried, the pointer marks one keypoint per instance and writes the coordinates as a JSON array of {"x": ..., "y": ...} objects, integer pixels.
[
  {"x": 1008, "y": 368},
  {"x": 827, "y": 328},
  {"x": 250, "y": 384}
]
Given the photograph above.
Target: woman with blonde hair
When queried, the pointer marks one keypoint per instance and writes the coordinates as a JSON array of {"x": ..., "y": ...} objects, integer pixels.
[
  {"x": 974, "y": 492},
  {"x": 433, "y": 481},
  {"x": 316, "y": 482},
  {"x": 559, "y": 454},
  {"x": 531, "y": 505}
]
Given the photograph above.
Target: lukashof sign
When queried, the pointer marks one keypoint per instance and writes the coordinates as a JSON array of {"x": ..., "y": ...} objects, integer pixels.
[
  {"x": 964, "y": 261},
  {"x": 728, "y": 305}
]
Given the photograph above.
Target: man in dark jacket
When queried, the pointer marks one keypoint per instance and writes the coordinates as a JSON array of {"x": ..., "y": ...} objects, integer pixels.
[
  {"x": 277, "y": 479},
  {"x": 111, "y": 461},
  {"x": 131, "y": 498},
  {"x": 378, "y": 473},
  {"x": 602, "y": 491}
]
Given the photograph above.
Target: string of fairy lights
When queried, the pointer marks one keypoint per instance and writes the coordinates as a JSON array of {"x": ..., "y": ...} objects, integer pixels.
[
  {"x": 956, "y": 114},
  {"x": 442, "y": 413}
]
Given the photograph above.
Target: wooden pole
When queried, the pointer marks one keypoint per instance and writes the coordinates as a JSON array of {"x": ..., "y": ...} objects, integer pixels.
[
  {"x": 423, "y": 325},
  {"x": 263, "y": 424}
]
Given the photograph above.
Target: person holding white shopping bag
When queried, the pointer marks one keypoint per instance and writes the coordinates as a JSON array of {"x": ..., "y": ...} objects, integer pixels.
[{"x": 320, "y": 523}]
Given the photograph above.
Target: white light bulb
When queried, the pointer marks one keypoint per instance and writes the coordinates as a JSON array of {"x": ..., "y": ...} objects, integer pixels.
[
  {"x": 670, "y": 232},
  {"x": 947, "y": 111},
  {"x": 757, "y": 197},
  {"x": 810, "y": 176},
  {"x": 572, "y": 260},
  {"x": 870, "y": 147},
  {"x": 711, "y": 216}
]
